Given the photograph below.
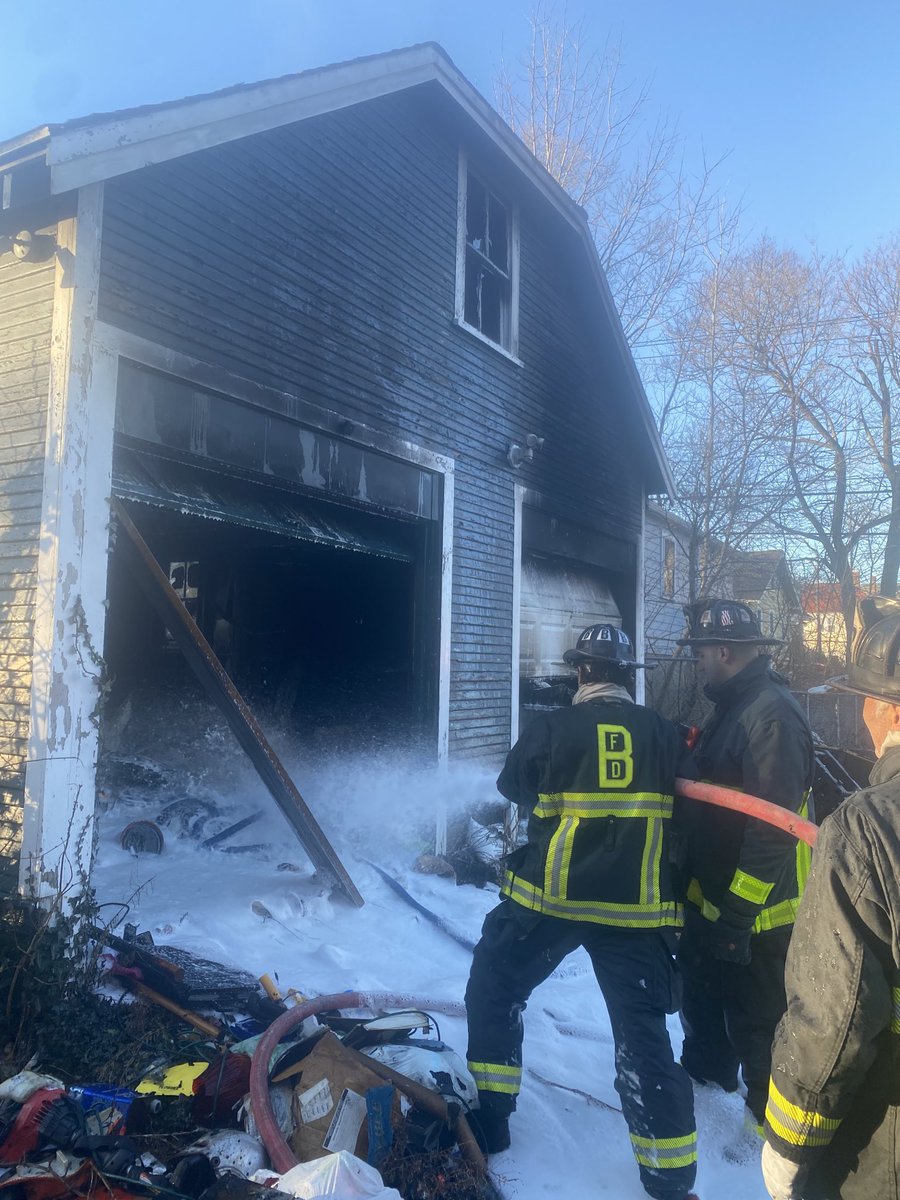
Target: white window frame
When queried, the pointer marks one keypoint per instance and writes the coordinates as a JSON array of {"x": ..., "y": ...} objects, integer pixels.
[{"x": 511, "y": 351}]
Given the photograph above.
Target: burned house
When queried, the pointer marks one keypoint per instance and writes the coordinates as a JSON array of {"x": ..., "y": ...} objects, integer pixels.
[{"x": 345, "y": 354}]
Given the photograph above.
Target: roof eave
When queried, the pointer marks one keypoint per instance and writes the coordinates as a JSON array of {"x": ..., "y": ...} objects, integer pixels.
[{"x": 90, "y": 151}]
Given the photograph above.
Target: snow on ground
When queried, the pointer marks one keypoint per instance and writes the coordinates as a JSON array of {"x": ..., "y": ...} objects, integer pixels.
[{"x": 201, "y": 900}]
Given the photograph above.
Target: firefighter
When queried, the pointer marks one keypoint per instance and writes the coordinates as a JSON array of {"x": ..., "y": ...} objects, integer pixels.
[
  {"x": 597, "y": 780},
  {"x": 745, "y": 877},
  {"x": 834, "y": 1097}
]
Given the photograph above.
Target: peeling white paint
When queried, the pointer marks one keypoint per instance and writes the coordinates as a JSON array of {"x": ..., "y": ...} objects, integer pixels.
[{"x": 72, "y": 562}]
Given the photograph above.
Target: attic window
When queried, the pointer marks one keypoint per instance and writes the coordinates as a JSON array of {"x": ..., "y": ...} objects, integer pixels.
[{"x": 487, "y": 262}]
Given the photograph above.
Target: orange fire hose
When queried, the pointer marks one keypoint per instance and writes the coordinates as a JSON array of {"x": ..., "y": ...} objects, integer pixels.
[{"x": 753, "y": 806}]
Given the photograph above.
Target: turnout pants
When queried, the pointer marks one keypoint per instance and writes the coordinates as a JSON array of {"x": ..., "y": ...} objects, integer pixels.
[
  {"x": 518, "y": 950},
  {"x": 729, "y": 1013}
]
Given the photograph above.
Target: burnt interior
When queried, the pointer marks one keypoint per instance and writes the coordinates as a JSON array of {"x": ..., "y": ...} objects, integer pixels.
[{"x": 336, "y": 644}]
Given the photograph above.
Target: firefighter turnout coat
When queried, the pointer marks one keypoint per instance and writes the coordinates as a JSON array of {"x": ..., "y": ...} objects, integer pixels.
[
  {"x": 758, "y": 741},
  {"x": 598, "y": 782},
  {"x": 834, "y": 1096}
]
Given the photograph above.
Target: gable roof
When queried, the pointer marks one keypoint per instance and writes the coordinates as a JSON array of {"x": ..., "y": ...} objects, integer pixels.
[
  {"x": 756, "y": 571},
  {"x": 99, "y": 147}
]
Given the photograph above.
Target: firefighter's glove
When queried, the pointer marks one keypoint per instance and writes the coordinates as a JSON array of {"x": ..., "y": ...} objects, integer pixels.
[
  {"x": 784, "y": 1179},
  {"x": 727, "y": 942},
  {"x": 702, "y": 939}
]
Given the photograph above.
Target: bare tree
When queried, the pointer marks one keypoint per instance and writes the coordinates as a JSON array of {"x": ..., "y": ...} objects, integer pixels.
[
  {"x": 596, "y": 135},
  {"x": 784, "y": 331},
  {"x": 872, "y": 336}
]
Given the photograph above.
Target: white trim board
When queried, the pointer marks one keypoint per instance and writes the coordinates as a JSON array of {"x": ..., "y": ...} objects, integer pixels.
[
  {"x": 57, "y": 836},
  {"x": 518, "y": 501}
]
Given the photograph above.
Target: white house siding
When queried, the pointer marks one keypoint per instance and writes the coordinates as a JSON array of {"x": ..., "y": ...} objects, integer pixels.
[
  {"x": 26, "y": 309},
  {"x": 663, "y": 615}
]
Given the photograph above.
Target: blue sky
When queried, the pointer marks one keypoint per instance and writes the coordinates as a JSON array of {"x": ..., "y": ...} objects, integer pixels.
[{"x": 800, "y": 95}]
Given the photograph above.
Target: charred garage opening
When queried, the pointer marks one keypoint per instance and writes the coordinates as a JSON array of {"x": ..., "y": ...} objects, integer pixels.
[
  {"x": 572, "y": 577},
  {"x": 310, "y": 565}
]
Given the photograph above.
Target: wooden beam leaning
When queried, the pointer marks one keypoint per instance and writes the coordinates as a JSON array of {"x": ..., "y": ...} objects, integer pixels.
[{"x": 216, "y": 682}]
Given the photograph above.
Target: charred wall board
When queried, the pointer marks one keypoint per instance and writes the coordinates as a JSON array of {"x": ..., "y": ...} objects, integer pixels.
[
  {"x": 320, "y": 259},
  {"x": 26, "y": 310},
  {"x": 243, "y": 724}
]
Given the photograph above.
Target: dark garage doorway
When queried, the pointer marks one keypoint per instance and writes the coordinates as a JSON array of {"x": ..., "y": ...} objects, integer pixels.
[{"x": 335, "y": 643}]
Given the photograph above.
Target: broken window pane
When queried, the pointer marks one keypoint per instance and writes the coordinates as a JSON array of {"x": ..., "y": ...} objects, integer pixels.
[
  {"x": 476, "y": 214},
  {"x": 487, "y": 301},
  {"x": 488, "y": 288},
  {"x": 498, "y": 235}
]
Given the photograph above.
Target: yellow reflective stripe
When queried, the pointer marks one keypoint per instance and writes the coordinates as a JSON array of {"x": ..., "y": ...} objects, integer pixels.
[
  {"x": 650, "y": 864},
  {"x": 795, "y": 1125},
  {"x": 696, "y": 897},
  {"x": 895, "y": 1015},
  {"x": 748, "y": 887},
  {"x": 777, "y": 916},
  {"x": 665, "y": 1152},
  {"x": 496, "y": 1077},
  {"x": 550, "y": 804},
  {"x": 604, "y": 804},
  {"x": 559, "y": 856},
  {"x": 567, "y": 846},
  {"x": 598, "y": 912}
]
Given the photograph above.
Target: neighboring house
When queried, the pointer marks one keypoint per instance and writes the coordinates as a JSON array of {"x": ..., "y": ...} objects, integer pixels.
[
  {"x": 667, "y": 572},
  {"x": 345, "y": 352},
  {"x": 824, "y": 627},
  {"x": 761, "y": 578}
]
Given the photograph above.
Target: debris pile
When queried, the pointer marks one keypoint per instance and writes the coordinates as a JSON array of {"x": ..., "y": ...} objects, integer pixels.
[{"x": 242, "y": 1092}]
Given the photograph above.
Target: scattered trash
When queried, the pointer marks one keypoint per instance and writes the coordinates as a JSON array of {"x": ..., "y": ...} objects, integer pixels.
[
  {"x": 397, "y": 887},
  {"x": 173, "y": 1081},
  {"x": 373, "y": 1106},
  {"x": 259, "y": 909},
  {"x": 224, "y": 834},
  {"x": 142, "y": 837},
  {"x": 341, "y": 1174},
  {"x": 106, "y": 1109},
  {"x": 231, "y": 1150}
]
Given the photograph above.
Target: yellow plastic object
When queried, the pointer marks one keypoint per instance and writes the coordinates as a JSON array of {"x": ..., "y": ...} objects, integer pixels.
[{"x": 176, "y": 1081}]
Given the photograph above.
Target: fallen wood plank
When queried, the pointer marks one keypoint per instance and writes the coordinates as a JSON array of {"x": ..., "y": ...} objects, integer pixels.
[{"x": 214, "y": 678}]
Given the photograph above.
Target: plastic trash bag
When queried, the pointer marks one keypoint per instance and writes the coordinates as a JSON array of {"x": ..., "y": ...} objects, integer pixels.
[
  {"x": 341, "y": 1176},
  {"x": 19, "y": 1087},
  {"x": 432, "y": 1064}
]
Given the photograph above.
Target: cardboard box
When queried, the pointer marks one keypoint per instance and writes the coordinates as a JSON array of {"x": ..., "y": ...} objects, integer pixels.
[{"x": 329, "y": 1105}]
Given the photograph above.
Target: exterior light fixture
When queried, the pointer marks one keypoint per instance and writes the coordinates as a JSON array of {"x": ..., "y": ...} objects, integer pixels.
[{"x": 516, "y": 454}]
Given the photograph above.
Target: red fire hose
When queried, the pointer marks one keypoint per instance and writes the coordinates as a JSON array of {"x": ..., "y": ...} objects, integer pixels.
[{"x": 752, "y": 806}]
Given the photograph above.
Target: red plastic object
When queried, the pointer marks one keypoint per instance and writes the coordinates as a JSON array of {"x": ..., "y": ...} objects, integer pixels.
[
  {"x": 26, "y": 1131},
  {"x": 752, "y": 806},
  {"x": 220, "y": 1087}
]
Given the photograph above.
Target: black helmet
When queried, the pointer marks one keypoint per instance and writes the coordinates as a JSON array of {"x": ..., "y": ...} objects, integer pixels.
[
  {"x": 602, "y": 643},
  {"x": 712, "y": 622},
  {"x": 874, "y": 667}
]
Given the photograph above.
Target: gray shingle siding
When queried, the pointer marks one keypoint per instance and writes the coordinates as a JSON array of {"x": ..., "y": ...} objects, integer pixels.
[
  {"x": 26, "y": 314},
  {"x": 320, "y": 259}
]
